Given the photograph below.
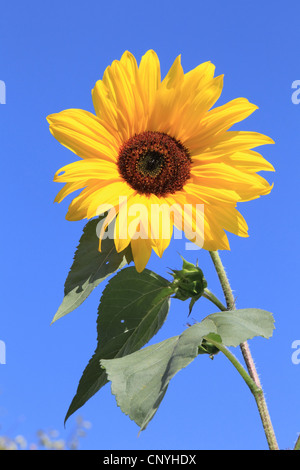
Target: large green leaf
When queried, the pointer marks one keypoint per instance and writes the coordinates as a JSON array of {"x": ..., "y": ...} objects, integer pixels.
[
  {"x": 90, "y": 267},
  {"x": 132, "y": 309},
  {"x": 237, "y": 326},
  {"x": 140, "y": 380}
]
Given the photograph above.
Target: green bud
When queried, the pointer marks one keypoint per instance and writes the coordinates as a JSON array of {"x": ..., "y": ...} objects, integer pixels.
[
  {"x": 208, "y": 348},
  {"x": 189, "y": 282}
]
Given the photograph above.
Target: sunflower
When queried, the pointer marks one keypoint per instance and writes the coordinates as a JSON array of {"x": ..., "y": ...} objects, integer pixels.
[{"x": 157, "y": 144}]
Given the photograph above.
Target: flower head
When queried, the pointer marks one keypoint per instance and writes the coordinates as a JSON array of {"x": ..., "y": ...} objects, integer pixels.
[{"x": 157, "y": 145}]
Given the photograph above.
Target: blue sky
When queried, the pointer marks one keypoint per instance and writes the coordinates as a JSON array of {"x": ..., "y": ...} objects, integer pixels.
[{"x": 51, "y": 54}]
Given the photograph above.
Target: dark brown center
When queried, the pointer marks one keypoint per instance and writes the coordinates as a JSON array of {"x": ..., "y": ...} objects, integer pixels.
[{"x": 154, "y": 163}]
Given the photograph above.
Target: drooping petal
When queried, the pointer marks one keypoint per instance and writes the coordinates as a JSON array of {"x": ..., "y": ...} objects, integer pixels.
[
  {"x": 229, "y": 218},
  {"x": 78, "y": 208},
  {"x": 161, "y": 223},
  {"x": 69, "y": 188},
  {"x": 129, "y": 218},
  {"x": 141, "y": 252}
]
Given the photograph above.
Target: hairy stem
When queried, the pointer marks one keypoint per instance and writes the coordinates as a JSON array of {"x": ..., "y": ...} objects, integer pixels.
[{"x": 259, "y": 396}]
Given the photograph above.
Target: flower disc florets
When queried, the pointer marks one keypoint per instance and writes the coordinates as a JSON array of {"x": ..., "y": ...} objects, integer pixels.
[{"x": 154, "y": 163}]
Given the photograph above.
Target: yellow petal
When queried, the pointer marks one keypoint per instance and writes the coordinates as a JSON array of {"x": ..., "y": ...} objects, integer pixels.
[
  {"x": 227, "y": 216},
  {"x": 107, "y": 196},
  {"x": 96, "y": 199},
  {"x": 82, "y": 133},
  {"x": 214, "y": 236},
  {"x": 87, "y": 169},
  {"x": 194, "y": 223},
  {"x": 249, "y": 161},
  {"x": 199, "y": 76},
  {"x": 126, "y": 97},
  {"x": 210, "y": 194},
  {"x": 111, "y": 215},
  {"x": 69, "y": 188},
  {"x": 78, "y": 208},
  {"x": 225, "y": 177},
  {"x": 188, "y": 120},
  {"x": 106, "y": 110},
  {"x": 161, "y": 223},
  {"x": 150, "y": 78},
  {"x": 174, "y": 76},
  {"x": 227, "y": 143},
  {"x": 129, "y": 62},
  {"x": 220, "y": 119},
  {"x": 141, "y": 252},
  {"x": 123, "y": 221}
]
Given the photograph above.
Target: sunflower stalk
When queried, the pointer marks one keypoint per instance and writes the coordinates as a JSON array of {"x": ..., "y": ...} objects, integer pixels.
[{"x": 257, "y": 391}]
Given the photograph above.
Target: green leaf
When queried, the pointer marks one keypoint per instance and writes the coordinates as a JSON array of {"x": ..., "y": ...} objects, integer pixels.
[
  {"x": 237, "y": 326},
  {"x": 140, "y": 380},
  {"x": 90, "y": 267},
  {"x": 132, "y": 309}
]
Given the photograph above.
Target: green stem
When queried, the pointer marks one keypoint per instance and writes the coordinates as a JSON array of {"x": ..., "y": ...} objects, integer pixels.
[
  {"x": 230, "y": 301},
  {"x": 259, "y": 397},
  {"x": 210, "y": 296},
  {"x": 234, "y": 361}
]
